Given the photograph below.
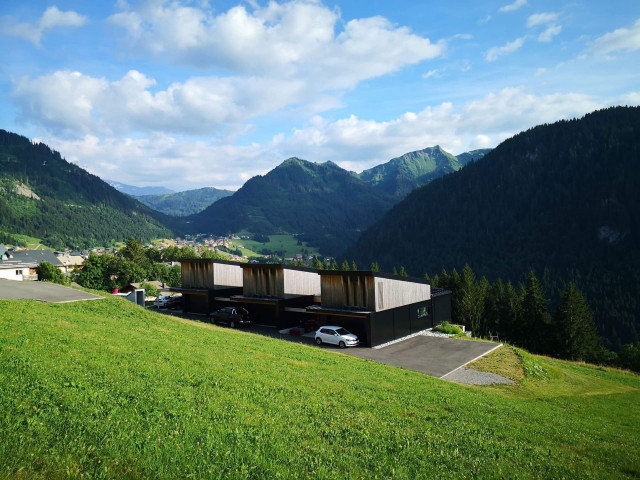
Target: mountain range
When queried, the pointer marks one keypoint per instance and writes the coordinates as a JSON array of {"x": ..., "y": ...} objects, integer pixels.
[
  {"x": 399, "y": 176},
  {"x": 561, "y": 199},
  {"x": 181, "y": 204},
  {"x": 44, "y": 196}
]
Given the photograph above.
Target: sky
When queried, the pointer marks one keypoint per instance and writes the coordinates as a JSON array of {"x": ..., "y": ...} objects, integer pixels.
[{"x": 204, "y": 93}]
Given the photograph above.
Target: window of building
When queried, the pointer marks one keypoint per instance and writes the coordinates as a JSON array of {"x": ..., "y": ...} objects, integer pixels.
[{"x": 424, "y": 311}]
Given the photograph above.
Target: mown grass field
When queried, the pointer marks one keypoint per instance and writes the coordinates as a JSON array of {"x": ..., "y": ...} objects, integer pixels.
[
  {"x": 104, "y": 389},
  {"x": 284, "y": 243}
]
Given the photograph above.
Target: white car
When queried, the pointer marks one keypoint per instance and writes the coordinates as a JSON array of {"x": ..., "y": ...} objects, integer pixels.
[{"x": 336, "y": 336}]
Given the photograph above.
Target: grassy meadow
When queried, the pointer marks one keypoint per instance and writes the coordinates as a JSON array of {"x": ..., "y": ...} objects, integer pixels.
[
  {"x": 105, "y": 389},
  {"x": 277, "y": 243}
]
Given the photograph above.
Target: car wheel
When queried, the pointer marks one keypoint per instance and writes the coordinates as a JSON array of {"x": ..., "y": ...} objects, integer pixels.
[
  {"x": 341, "y": 344},
  {"x": 232, "y": 324},
  {"x": 319, "y": 341}
]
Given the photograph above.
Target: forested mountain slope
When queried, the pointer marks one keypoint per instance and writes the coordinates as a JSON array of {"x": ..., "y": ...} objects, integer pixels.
[
  {"x": 323, "y": 203},
  {"x": 399, "y": 176},
  {"x": 44, "y": 196},
  {"x": 561, "y": 199},
  {"x": 185, "y": 203}
]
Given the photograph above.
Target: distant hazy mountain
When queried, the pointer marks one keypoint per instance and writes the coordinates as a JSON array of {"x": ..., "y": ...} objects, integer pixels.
[
  {"x": 44, "y": 196},
  {"x": 137, "y": 191},
  {"x": 181, "y": 204},
  {"x": 399, "y": 176},
  {"x": 561, "y": 199},
  {"x": 324, "y": 203}
]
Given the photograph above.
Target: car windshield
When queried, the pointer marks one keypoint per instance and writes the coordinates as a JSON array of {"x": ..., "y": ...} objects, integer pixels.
[{"x": 342, "y": 331}]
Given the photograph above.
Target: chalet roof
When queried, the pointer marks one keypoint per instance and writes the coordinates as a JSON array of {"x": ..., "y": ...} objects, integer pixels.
[{"x": 30, "y": 258}]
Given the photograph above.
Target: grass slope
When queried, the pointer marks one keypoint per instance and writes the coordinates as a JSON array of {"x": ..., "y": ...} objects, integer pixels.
[{"x": 105, "y": 389}]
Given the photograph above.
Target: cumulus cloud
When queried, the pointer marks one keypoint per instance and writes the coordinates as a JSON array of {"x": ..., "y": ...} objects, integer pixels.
[
  {"x": 548, "y": 20},
  {"x": 622, "y": 39},
  {"x": 352, "y": 142},
  {"x": 496, "y": 52},
  {"x": 297, "y": 38},
  {"x": 512, "y": 7},
  {"x": 74, "y": 103},
  {"x": 50, "y": 19}
]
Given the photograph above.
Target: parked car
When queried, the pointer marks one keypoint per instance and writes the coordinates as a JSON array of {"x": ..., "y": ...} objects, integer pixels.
[
  {"x": 336, "y": 336},
  {"x": 232, "y": 316},
  {"x": 161, "y": 301},
  {"x": 174, "y": 302}
]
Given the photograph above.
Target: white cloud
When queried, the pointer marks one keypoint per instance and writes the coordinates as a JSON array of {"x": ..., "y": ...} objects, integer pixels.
[
  {"x": 513, "y": 6},
  {"x": 296, "y": 38},
  {"x": 74, "y": 103},
  {"x": 541, "y": 19},
  {"x": 550, "y": 32},
  {"x": 619, "y": 40},
  {"x": 429, "y": 74},
  {"x": 352, "y": 142},
  {"x": 50, "y": 19},
  {"x": 550, "y": 21},
  {"x": 495, "y": 52}
]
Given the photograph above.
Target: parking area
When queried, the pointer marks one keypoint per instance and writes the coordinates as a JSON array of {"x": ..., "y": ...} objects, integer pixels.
[
  {"x": 42, "y": 291},
  {"x": 435, "y": 356}
]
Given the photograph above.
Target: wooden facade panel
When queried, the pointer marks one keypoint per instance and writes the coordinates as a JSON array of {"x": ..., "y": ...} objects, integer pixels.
[
  {"x": 267, "y": 281},
  {"x": 197, "y": 275},
  {"x": 297, "y": 282},
  {"x": 396, "y": 293},
  {"x": 225, "y": 275},
  {"x": 339, "y": 291}
]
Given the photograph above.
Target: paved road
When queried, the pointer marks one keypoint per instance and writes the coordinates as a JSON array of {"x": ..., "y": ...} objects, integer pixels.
[
  {"x": 43, "y": 291},
  {"x": 431, "y": 355}
]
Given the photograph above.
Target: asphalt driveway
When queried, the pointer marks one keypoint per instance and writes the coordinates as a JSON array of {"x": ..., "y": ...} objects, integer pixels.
[
  {"x": 42, "y": 291},
  {"x": 435, "y": 356}
]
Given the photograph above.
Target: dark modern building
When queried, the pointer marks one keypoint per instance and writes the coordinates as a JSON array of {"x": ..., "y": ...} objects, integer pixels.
[{"x": 377, "y": 307}]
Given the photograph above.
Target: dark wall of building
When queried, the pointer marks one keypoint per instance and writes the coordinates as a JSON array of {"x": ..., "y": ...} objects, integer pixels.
[
  {"x": 396, "y": 323},
  {"x": 441, "y": 308},
  {"x": 195, "y": 303}
]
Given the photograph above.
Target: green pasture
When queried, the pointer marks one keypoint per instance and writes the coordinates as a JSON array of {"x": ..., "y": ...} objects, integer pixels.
[
  {"x": 106, "y": 389},
  {"x": 285, "y": 243}
]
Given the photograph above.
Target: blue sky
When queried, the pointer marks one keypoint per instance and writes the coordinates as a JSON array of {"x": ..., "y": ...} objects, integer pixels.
[{"x": 188, "y": 94}]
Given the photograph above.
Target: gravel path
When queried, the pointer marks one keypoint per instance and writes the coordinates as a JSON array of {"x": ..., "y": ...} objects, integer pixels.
[{"x": 469, "y": 376}]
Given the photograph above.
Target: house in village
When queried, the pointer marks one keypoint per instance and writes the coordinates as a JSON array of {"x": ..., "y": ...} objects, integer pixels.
[
  {"x": 375, "y": 306},
  {"x": 21, "y": 264}
]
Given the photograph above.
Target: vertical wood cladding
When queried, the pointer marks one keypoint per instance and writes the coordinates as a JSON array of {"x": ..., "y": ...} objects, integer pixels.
[
  {"x": 208, "y": 274},
  {"x": 270, "y": 280},
  {"x": 370, "y": 292}
]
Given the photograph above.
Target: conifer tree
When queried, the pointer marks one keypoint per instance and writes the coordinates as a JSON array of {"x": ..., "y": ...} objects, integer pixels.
[
  {"x": 345, "y": 266},
  {"x": 575, "y": 329},
  {"x": 534, "y": 317}
]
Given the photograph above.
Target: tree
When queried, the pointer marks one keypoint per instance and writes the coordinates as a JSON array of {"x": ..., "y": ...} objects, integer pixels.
[
  {"x": 317, "y": 264},
  {"x": 47, "y": 272},
  {"x": 403, "y": 272},
  {"x": 135, "y": 252},
  {"x": 374, "y": 267},
  {"x": 575, "y": 330},
  {"x": 354, "y": 267},
  {"x": 98, "y": 272},
  {"x": 534, "y": 317},
  {"x": 150, "y": 290},
  {"x": 345, "y": 266},
  {"x": 174, "y": 276},
  {"x": 469, "y": 300},
  {"x": 334, "y": 264}
]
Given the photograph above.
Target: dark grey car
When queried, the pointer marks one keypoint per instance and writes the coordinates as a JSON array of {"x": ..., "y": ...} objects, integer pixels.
[{"x": 232, "y": 316}]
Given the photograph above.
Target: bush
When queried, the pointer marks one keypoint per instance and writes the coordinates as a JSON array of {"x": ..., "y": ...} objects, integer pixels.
[
  {"x": 48, "y": 272},
  {"x": 446, "y": 327},
  {"x": 150, "y": 290}
]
